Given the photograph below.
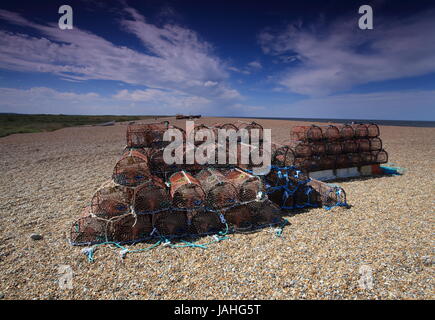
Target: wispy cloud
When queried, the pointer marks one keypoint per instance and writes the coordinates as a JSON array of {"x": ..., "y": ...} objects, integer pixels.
[{"x": 330, "y": 58}]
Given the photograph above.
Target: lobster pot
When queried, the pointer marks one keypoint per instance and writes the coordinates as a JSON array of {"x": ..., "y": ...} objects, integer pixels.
[
  {"x": 250, "y": 187},
  {"x": 186, "y": 191},
  {"x": 196, "y": 129},
  {"x": 306, "y": 133},
  {"x": 342, "y": 161},
  {"x": 295, "y": 177},
  {"x": 250, "y": 126},
  {"x": 239, "y": 217},
  {"x": 283, "y": 156},
  {"x": 380, "y": 156},
  {"x": 276, "y": 177},
  {"x": 151, "y": 197},
  {"x": 265, "y": 213},
  {"x": 145, "y": 135},
  {"x": 111, "y": 200},
  {"x": 130, "y": 228},
  {"x": 327, "y": 194},
  {"x": 346, "y": 131},
  {"x": 360, "y": 130},
  {"x": 159, "y": 167},
  {"x": 207, "y": 222},
  {"x": 132, "y": 169},
  {"x": 318, "y": 148},
  {"x": 282, "y": 198},
  {"x": 330, "y": 133},
  {"x": 355, "y": 159},
  {"x": 349, "y": 146},
  {"x": 327, "y": 162},
  {"x": 301, "y": 149},
  {"x": 220, "y": 193},
  {"x": 333, "y": 148},
  {"x": 373, "y": 130},
  {"x": 366, "y": 158},
  {"x": 375, "y": 144},
  {"x": 363, "y": 145},
  {"x": 305, "y": 196},
  {"x": 172, "y": 223},
  {"x": 88, "y": 230},
  {"x": 306, "y": 164}
]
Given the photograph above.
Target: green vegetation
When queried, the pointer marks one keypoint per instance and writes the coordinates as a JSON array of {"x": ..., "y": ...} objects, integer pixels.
[{"x": 26, "y": 123}]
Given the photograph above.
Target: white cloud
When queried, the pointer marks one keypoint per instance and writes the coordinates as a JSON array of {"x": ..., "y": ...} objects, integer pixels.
[
  {"x": 328, "y": 59},
  {"x": 255, "y": 65}
]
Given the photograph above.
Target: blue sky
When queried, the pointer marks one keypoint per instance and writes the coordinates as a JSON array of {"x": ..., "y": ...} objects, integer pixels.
[{"x": 228, "y": 58}]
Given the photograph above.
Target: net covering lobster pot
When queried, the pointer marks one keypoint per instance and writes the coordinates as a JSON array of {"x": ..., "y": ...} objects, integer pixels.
[
  {"x": 186, "y": 191},
  {"x": 373, "y": 130},
  {"x": 346, "y": 131},
  {"x": 330, "y": 132},
  {"x": 360, "y": 130},
  {"x": 281, "y": 197},
  {"x": 172, "y": 222},
  {"x": 349, "y": 146},
  {"x": 249, "y": 126},
  {"x": 203, "y": 129},
  {"x": 355, "y": 159},
  {"x": 158, "y": 165},
  {"x": 88, "y": 229},
  {"x": 327, "y": 162},
  {"x": 342, "y": 161},
  {"x": 282, "y": 155},
  {"x": 301, "y": 149},
  {"x": 145, "y": 135},
  {"x": 129, "y": 228},
  {"x": 207, "y": 222},
  {"x": 327, "y": 194},
  {"x": 306, "y": 133},
  {"x": 318, "y": 148},
  {"x": 240, "y": 217},
  {"x": 305, "y": 196},
  {"x": 366, "y": 158},
  {"x": 379, "y": 156},
  {"x": 250, "y": 187},
  {"x": 132, "y": 169},
  {"x": 151, "y": 197},
  {"x": 333, "y": 148},
  {"x": 220, "y": 193},
  {"x": 363, "y": 145},
  {"x": 375, "y": 144},
  {"x": 265, "y": 213},
  {"x": 111, "y": 200}
]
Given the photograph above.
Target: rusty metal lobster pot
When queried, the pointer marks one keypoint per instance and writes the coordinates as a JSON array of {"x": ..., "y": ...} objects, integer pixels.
[
  {"x": 239, "y": 216},
  {"x": 349, "y": 146},
  {"x": 130, "y": 228},
  {"x": 373, "y": 130},
  {"x": 306, "y": 133},
  {"x": 346, "y": 131},
  {"x": 333, "y": 148},
  {"x": 355, "y": 159},
  {"x": 330, "y": 133},
  {"x": 318, "y": 148},
  {"x": 145, "y": 135},
  {"x": 220, "y": 193},
  {"x": 111, "y": 200},
  {"x": 328, "y": 194},
  {"x": 380, "y": 156},
  {"x": 172, "y": 223},
  {"x": 301, "y": 149},
  {"x": 281, "y": 198},
  {"x": 265, "y": 212},
  {"x": 282, "y": 155},
  {"x": 250, "y": 187},
  {"x": 327, "y": 162},
  {"x": 342, "y": 161},
  {"x": 305, "y": 196},
  {"x": 249, "y": 126},
  {"x": 206, "y": 222},
  {"x": 363, "y": 145},
  {"x": 88, "y": 229},
  {"x": 158, "y": 165},
  {"x": 360, "y": 130},
  {"x": 375, "y": 144},
  {"x": 151, "y": 196},
  {"x": 132, "y": 169},
  {"x": 200, "y": 127},
  {"x": 366, "y": 158},
  {"x": 186, "y": 191}
]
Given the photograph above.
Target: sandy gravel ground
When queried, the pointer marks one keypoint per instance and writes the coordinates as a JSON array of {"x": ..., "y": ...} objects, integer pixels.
[{"x": 47, "y": 177}]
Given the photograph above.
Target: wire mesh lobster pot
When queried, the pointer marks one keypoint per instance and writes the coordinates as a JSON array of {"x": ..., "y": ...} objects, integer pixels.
[
  {"x": 360, "y": 130},
  {"x": 158, "y": 165},
  {"x": 207, "y": 222},
  {"x": 346, "y": 131},
  {"x": 375, "y": 144},
  {"x": 132, "y": 169},
  {"x": 265, "y": 213},
  {"x": 111, "y": 200},
  {"x": 379, "y": 156},
  {"x": 327, "y": 194},
  {"x": 220, "y": 193},
  {"x": 130, "y": 228},
  {"x": 186, "y": 191},
  {"x": 281, "y": 197},
  {"x": 250, "y": 187},
  {"x": 342, "y": 161},
  {"x": 366, "y": 158},
  {"x": 239, "y": 216},
  {"x": 282, "y": 155},
  {"x": 349, "y": 146},
  {"x": 301, "y": 149},
  {"x": 330, "y": 132},
  {"x": 355, "y": 159},
  {"x": 363, "y": 145},
  {"x": 327, "y": 162},
  {"x": 333, "y": 148},
  {"x": 88, "y": 229},
  {"x": 249, "y": 126},
  {"x": 305, "y": 196},
  {"x": 145, "y": 135},
  {"x": 373, "y": 130},
  {"x": 306, "y": 133},
  {"x": 151, "y": 197},
  {"x": 203, "y": 128},
  {"x": 172, "y": 222},
  {"x": 306, "y": 164},
  {"x": 318, "y": 148}
]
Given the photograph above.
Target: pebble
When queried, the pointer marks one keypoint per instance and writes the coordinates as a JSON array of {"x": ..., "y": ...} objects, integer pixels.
[{"x": 35, "y": 236}]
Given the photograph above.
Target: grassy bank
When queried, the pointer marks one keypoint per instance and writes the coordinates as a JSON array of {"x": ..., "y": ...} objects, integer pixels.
[{"x": 27, "y": 123}]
